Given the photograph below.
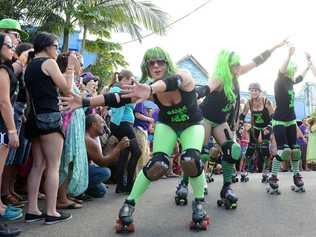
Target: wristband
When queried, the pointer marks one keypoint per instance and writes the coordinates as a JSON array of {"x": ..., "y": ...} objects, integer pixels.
[
  {"x": 260, "y": 59},
  {"x": 85, "y": 102}
]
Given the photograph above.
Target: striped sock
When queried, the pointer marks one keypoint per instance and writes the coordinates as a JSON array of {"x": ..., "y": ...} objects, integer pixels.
[
  {"x": 295, "y": 166},
  {"x": 276, "y": 164}
]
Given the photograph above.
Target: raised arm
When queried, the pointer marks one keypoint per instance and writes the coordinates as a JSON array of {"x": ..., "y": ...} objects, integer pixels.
[
  {"x": 260, "y": 59},
  {"x": 285, "y": 64}
]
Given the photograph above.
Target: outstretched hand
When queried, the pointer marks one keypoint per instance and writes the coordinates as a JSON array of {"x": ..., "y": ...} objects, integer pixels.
[
  {"x": 71, "y": 102},
  {"x": 137, "y": 92}
]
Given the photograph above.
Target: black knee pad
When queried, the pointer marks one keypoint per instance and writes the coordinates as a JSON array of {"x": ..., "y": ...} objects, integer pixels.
[
  {"x": 231, "y": 152},
  {"x": 250, "y": 150},
  {"x": 157, "y": 167},
  {"x": 264, "y": 148},
  {"x": 191, "y": 163}
]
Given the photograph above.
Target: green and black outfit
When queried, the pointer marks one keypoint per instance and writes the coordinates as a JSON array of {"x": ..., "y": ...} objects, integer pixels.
[
  {"x": 180, "y": 122},
  {"x": 260, "y": 121},
  {"x": 284, "y": 124},
  {"x": 218, "y": 109}
]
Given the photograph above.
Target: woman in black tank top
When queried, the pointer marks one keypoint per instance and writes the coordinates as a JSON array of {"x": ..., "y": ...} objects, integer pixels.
[
  {"x": 8, "y": 133},
  {"x": 284, "y": 123},
  {"x": 43, "y": 78},
  {"x": 260, "y": 125}
]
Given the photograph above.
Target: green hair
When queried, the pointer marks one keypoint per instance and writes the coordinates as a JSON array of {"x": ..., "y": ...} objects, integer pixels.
[
  {"x": 156, "y": 53},
  {"x": 223, "y": 73},
  {"x": 291, "y": 69}
]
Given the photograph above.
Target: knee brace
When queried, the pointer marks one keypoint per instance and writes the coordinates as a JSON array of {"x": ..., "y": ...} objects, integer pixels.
[
  {"x": 157, "y": 167},
  {"x": 284, "y": 154},
  {"x": 191, "y": 163},
  {"x": 231, "y": 151},
  {"x": 250, "y": 150},
  {"x": 265, "y": 149},
  {"x": 296, "y": 153}
]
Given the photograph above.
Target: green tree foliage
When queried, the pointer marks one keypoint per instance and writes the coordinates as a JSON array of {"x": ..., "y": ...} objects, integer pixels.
[{"x": 109, "y": 59}]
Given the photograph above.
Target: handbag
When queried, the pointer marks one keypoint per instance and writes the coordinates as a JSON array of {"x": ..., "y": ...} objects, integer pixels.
[{"x": 47, "y": 121}]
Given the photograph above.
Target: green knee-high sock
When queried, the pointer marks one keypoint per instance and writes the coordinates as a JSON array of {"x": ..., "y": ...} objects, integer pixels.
[
  {"x": 295, "y": 166},
  {"x": 140, "y": 186},
  {"x": 276, "y": 164},
  {"x": 185, "y": 180},
  {"x": 197, "y": 184},
  {"x": 228, "y": 171}
]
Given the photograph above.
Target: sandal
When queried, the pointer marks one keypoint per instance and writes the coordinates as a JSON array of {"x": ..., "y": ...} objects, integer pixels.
[
  {"x": 70, "y": 206},
  {"x": 75, "y": 200},
  {"x": 12, "y": 200}
]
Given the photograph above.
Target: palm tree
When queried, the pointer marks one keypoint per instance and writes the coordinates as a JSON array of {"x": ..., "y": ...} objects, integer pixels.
[{"x": 100, "y": 17}]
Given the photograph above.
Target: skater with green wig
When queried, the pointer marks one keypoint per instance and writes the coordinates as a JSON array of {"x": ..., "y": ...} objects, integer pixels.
[
  {"x": 220, "y": 109},
  {"x": 284, "y": 124},
  {"x": 179, "y": 120}
]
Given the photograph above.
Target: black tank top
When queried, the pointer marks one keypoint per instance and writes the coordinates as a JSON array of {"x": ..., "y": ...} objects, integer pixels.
[
  {"x": 284, "y": 98},
  {"x": 41, "y": 88},
  {"x": 181, "y": 115},
  {"x": 261, "y": 118},
  {"x": 218, "y": 109},
  {"x": 13, "y": 84}
]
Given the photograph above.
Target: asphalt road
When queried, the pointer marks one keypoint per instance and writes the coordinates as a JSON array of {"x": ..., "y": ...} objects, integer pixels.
[{"x": 258, "y": 213}]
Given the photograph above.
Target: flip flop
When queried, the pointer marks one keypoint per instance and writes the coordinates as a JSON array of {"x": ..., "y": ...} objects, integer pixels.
[{"x": 75, "y": 200}]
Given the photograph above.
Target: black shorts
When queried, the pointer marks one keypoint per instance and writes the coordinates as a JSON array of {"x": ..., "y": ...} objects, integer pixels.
[{"x": 32, "y": 131}]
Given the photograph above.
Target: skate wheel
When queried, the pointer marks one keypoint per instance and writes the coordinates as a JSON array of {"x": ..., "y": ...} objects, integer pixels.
[
  {"x": 131, "y": 228},
  {"x": 207, "y": 219},
  {"x": 292, "y": 188},
  {"x": 219, "y": 203},
  {"x": 204, "y": 225},
  {"x": 234, "y": 206}
]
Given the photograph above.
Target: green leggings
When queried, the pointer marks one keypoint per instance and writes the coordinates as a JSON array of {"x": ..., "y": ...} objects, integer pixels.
[{"x": 165, "y": 139}]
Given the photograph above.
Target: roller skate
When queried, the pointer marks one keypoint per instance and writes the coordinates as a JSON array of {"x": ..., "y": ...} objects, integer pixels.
[
  {"x": 265, "y": 177},
  {"x": 200, "y": 219},
  {"x": 235, "y": 178},
  {"x": 244, "y": 177},
  {"x": 273, "y": 187},
  {"x": 205, "y": 191},
  {"x": 181, "y": 197},
  {"x": 228, "y": 198},
  {"x": 125, "y": 222},
  {"x": 209, "y": 177},
  {"x": 298, "y": 184}
]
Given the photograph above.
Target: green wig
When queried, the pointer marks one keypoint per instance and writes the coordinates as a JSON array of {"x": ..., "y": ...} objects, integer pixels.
[
  {"x": 223, "y": 73},
  {"x": 291, "y": 69},
  {"x": 156, "y": 53}
]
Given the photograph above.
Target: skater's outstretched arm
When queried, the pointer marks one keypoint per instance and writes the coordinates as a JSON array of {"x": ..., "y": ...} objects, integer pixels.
[
  {"x": 260, "y": 59},
  {"x": 139, "y": 92}
]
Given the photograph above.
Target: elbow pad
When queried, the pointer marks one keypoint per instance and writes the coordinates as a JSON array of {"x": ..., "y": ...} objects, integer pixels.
[
  {"x": 110, "y": 100},
  {"x": 172, "y": 82},
  {"x": 298, "y": 79},
  {"x": 260, "y": 59},
  {"x": 202, "y": 91}
]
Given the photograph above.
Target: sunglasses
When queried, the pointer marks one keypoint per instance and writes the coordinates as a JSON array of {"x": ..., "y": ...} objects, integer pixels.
[
  {"x": 159, "y": 62},
  {"x": 10, "y": 46}
]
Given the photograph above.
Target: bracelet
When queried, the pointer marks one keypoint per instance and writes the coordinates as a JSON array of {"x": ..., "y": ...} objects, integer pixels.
[
  {"x": 12, "y": 131},
  {"x": 85, "y": 102}
]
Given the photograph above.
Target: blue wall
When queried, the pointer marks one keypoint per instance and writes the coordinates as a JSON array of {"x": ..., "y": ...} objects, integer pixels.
[{"x": 75, "y": 45}]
